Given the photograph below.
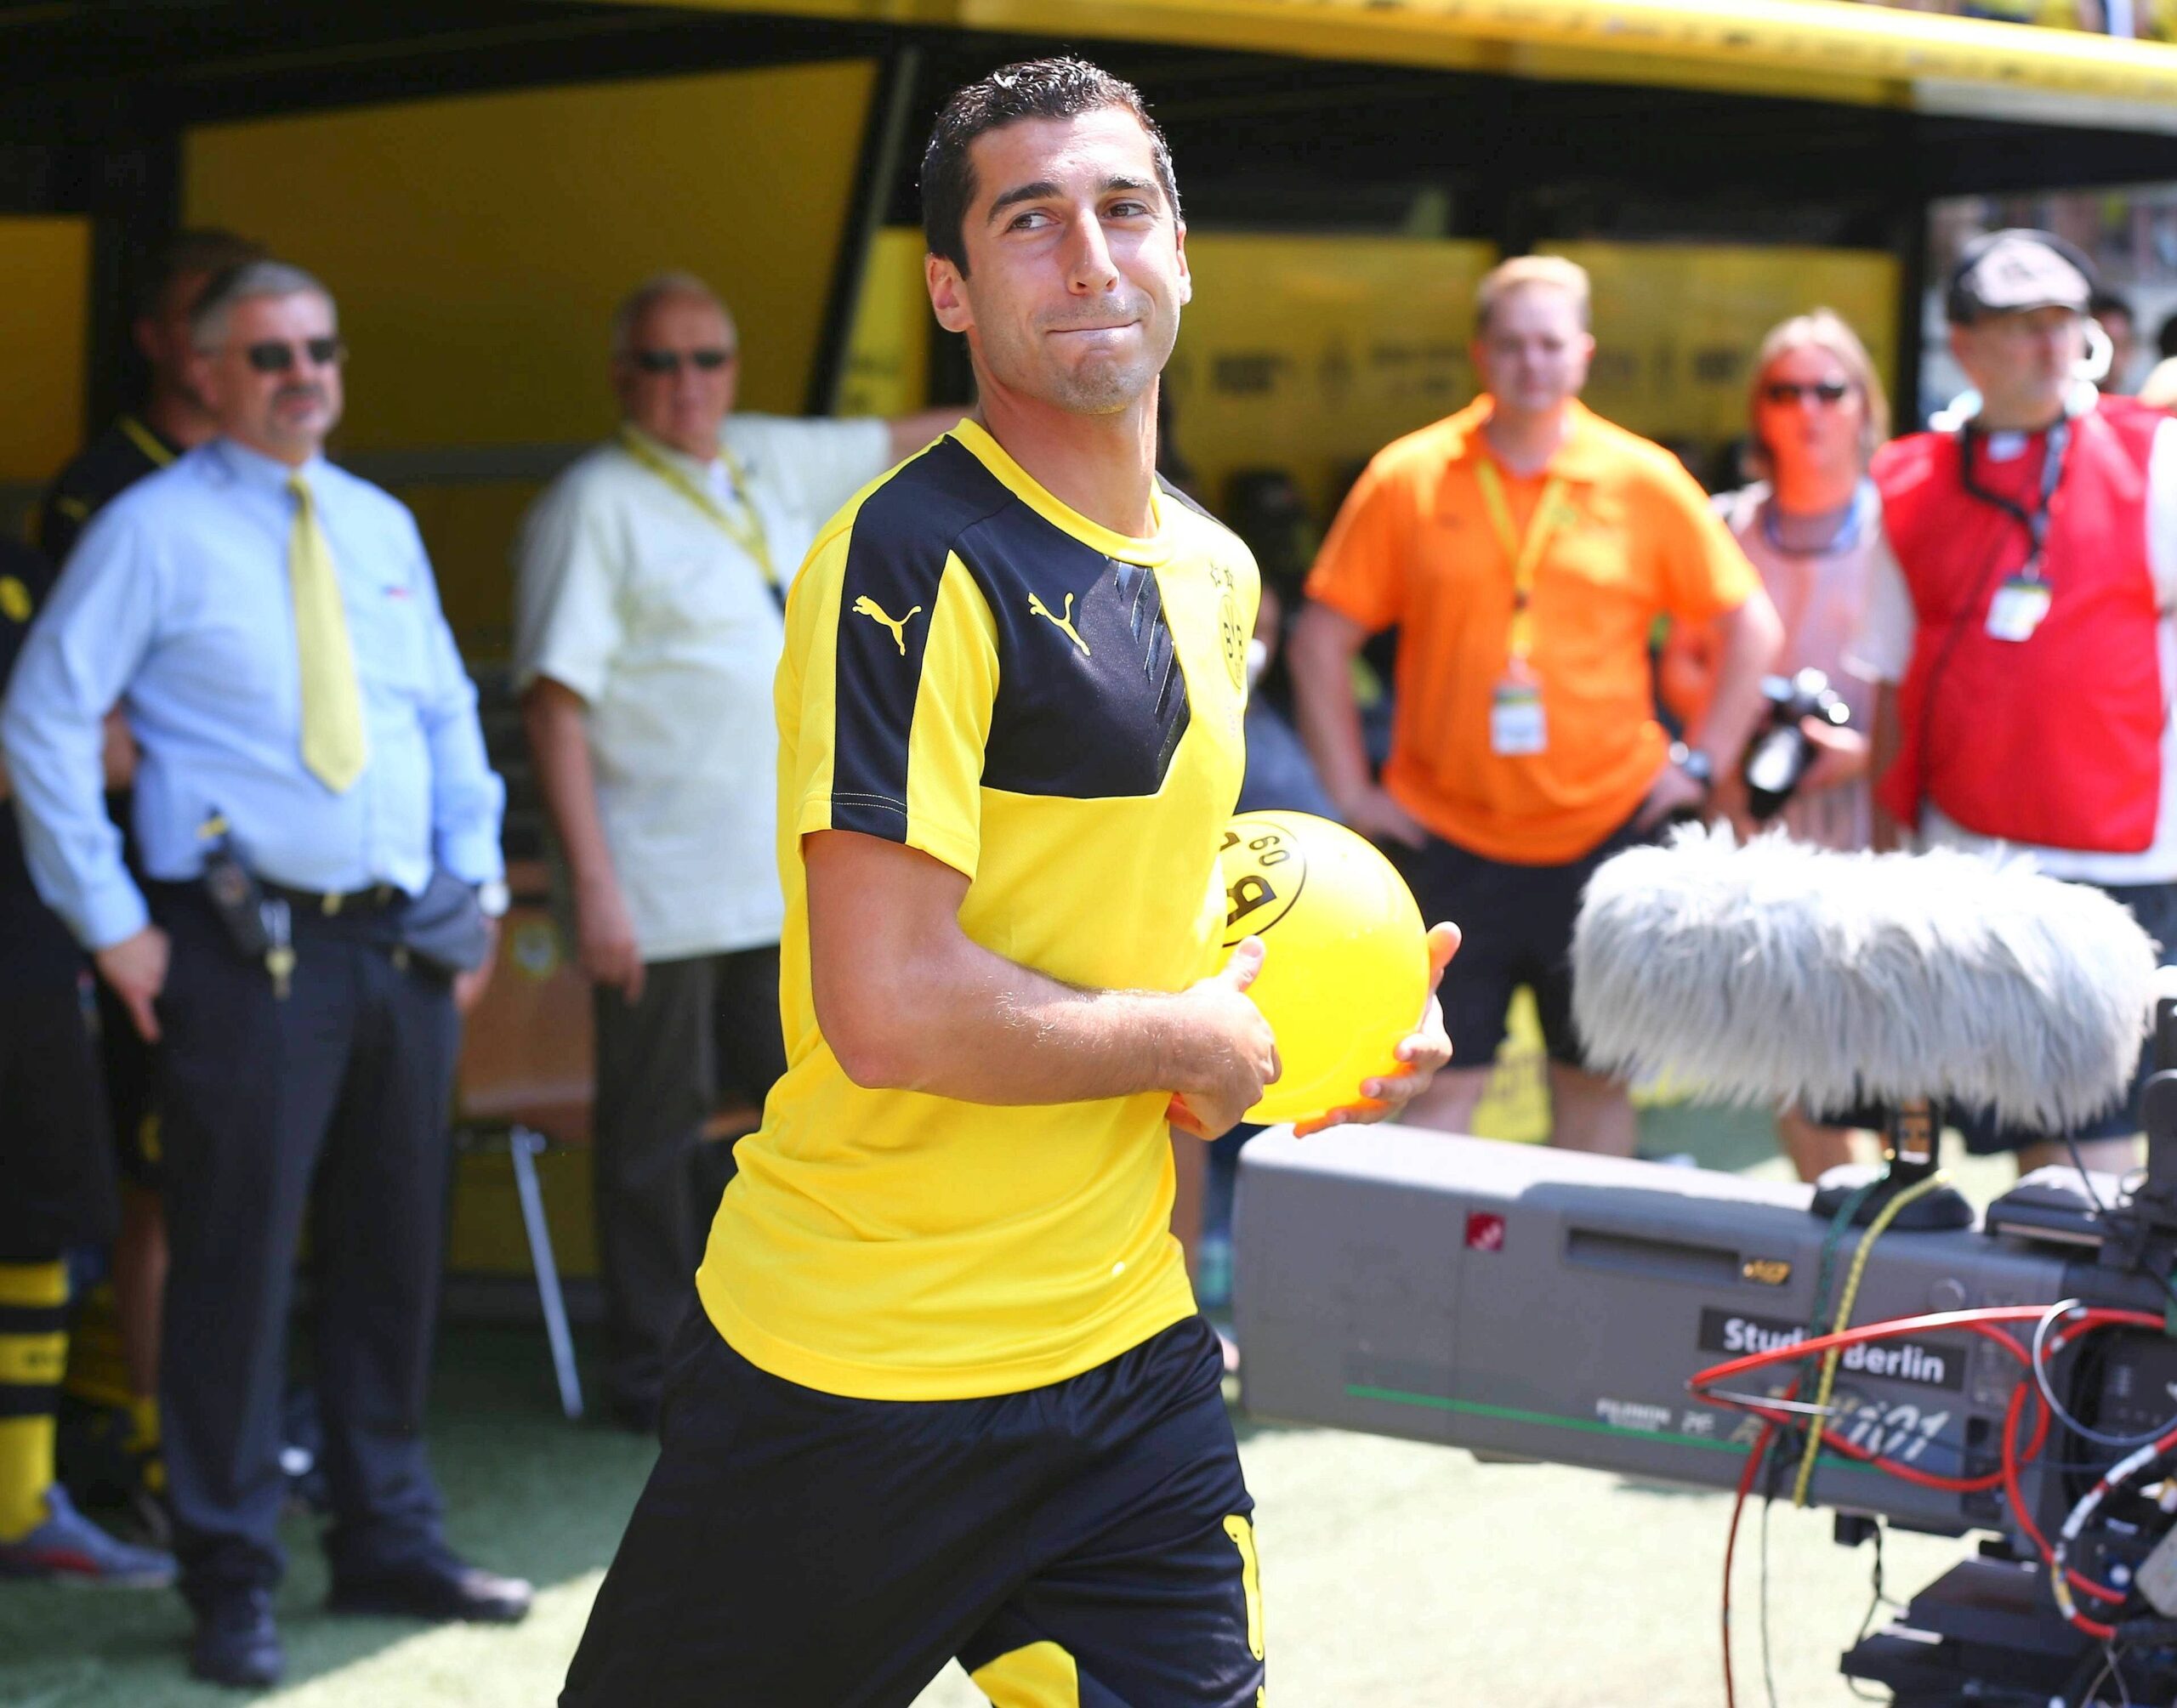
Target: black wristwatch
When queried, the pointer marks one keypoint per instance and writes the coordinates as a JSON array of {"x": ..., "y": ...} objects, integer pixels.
[{"x": 1695, "y": 765}]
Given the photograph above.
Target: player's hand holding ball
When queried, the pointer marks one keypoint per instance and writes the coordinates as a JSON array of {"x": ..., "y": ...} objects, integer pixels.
[
  {"x": 1234, "y": 1054},
  {"x": 1349, "y": 982},
  {"x": 1418, "y": 1054}
]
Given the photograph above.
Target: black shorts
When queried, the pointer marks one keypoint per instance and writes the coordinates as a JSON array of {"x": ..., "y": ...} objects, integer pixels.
[
  {"x": 56, "y": 1167},
  {"x": 1516, "y": 928},
  {"x": 2155, "y": 906},
  {"x": 1089, "y": 1542}
]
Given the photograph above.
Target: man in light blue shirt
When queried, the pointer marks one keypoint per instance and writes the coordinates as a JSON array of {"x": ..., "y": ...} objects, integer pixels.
[{"x": 270, "y": 625}]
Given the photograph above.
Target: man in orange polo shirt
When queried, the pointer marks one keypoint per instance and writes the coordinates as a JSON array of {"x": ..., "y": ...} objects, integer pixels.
[{"x": 1524, "y": 548}]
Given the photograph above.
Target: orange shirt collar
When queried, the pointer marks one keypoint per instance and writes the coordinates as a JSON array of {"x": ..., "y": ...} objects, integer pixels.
[{"x": 1580, "y": 459}]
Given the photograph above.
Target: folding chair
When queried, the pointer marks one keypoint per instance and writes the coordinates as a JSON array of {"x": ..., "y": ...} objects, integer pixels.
[{"x": 525, "y": 1084}]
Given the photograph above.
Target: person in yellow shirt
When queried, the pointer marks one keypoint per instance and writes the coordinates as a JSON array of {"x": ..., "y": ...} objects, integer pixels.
[
  {"x": 1524, "y": 548},
  {"x": 948, "y": 1395}
]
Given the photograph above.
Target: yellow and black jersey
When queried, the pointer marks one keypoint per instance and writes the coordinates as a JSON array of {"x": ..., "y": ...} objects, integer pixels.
[{"x": 976, "y": 671}]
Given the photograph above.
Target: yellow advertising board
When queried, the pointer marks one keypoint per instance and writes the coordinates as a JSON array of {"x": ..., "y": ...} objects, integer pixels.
[
  {"x": 478, "y": 245},
  {"x": 44, "y": 266},
  {"x": 1677, "y": 325},
  {"x": 1308, "y": 353},
  {"x": 887, "y": 370}
]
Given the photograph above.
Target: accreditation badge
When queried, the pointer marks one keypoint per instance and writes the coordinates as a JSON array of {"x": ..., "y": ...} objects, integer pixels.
[
  {"x": 1516, "y": 725},
  {"x": 2018, "y": 607}
]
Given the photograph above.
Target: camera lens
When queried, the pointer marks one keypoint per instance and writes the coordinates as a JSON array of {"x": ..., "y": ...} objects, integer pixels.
[{"x": 1778, "y": 760}]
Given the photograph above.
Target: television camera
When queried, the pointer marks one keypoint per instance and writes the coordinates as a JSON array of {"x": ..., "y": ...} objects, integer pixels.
[{"x": 1872, "y": 1346}]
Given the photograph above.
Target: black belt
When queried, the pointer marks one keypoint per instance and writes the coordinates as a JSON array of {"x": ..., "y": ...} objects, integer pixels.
[{"x": 379, "y": 898}]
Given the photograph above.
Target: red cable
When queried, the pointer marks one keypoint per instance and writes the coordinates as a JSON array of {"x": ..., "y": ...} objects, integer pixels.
[
  {"x": 1730, "y": 1541},
  {"x": 2023, "y": 1517},
  {"x": 2012, "y": 1492},
  {"x": 1982, "y": 1321},
  {"x": 1978, "y": 1322}
]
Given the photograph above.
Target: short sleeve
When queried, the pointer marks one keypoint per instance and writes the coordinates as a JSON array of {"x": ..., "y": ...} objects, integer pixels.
[
  {"x": 567, "y": 592},
  {"x": 896, "y": 652},
  {"x": 1361, "y": 571},
  {"x": 1882, "y": 648},
  {"x": 817, "y": 465},
  {"x": 1704, "y": 572}
]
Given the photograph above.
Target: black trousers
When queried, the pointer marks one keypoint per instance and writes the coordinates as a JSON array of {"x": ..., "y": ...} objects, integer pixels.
[
  {"x": 342, "y": 1090},
  {"x": 703, "y": 1026}
]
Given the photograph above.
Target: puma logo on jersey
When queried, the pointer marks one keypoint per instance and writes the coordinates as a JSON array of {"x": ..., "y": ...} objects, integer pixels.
[
  {"x": 1063, "y": 624},
  {"x": 868, "y": 607}
]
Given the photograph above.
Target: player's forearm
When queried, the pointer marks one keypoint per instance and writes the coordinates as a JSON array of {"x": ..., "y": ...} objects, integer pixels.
[
  {"x": 1750, "y": 637},
  {"x": 1319, "y": 655},
  {"x": 559, "y": 743},
  {"x": 971, "y": 1025},
  {"x": 908, "y": 1001}
]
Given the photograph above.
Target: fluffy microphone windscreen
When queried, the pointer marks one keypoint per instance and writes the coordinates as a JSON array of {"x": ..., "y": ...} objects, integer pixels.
[{"x": 1775, "y": 972}]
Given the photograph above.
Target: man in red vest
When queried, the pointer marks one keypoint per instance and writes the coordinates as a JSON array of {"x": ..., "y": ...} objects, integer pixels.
[{"x": 2027, "y": 652}]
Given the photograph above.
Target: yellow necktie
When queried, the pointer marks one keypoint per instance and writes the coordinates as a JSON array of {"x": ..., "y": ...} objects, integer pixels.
[{"x": 333, "y": 745}]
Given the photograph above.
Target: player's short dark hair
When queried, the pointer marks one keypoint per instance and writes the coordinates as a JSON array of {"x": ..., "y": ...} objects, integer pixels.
[
  {"x": 207, "y": 250},
  {"x": 1057, "y": 89}
]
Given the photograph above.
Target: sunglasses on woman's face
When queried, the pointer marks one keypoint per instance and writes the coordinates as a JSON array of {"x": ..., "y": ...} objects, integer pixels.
[
  {"x": 1828, "y": 393},
  {"x": 668, "y": 361},
  {"x": 274, "y": 356}
]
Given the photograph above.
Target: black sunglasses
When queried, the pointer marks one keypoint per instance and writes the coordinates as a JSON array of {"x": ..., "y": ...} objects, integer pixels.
[
  {"x": 274, "y": 356},
  {"x": 1823, "y": 391},
  {"x": 668, "y": 361}
]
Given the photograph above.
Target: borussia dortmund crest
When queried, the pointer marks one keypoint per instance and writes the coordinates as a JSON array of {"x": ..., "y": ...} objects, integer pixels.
[{"x": 1235, "y": 638}]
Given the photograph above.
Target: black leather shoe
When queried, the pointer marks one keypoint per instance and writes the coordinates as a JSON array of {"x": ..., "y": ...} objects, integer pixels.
[
  {"x": 440, "y": 1591},
  {"x": 236, "y": 1642}
]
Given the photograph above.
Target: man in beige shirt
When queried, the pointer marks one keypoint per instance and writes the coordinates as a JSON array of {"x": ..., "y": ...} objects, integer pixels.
[{"x": 651, "y": 579}]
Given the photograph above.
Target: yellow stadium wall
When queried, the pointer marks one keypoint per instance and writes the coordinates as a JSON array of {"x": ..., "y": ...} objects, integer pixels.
[
  {"x": 477, "y": 245},
  {"x": 1677, "y": 325},
  {"x": 1309, "y": 353},
  {"x": 44, "y": 291},
  {"x": 887, "y": 347}
]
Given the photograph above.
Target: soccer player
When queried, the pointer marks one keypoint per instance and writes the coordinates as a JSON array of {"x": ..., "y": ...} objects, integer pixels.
[{"x": 948, "y": 1394}]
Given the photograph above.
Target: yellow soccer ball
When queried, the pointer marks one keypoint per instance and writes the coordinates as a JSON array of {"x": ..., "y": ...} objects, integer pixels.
[{"x": 1346, "y": 972}]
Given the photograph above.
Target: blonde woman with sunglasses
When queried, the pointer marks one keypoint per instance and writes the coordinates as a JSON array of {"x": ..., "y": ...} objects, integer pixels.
[{"x": 1812, "y": 525}]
